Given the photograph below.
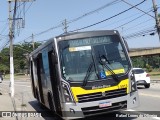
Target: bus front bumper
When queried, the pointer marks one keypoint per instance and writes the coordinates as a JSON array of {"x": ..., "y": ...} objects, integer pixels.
[{"x": 81, "y": 110}]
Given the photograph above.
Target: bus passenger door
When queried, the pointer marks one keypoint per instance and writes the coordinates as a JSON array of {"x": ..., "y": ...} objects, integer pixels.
[
  {"x": 54, "y": 82},
  {"x": 39, "y": 69}
]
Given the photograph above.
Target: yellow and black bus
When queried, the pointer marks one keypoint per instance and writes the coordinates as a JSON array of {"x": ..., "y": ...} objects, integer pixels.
[{"x": 83, "y": 74}]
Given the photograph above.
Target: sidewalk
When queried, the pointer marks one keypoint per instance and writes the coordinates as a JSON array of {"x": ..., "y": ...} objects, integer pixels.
[
  {"x": 155, "y": 79},
  {"x": 12, "y": 107},
  {"x": 6, "y": 105},
  {"x": 21, "y": 103}
]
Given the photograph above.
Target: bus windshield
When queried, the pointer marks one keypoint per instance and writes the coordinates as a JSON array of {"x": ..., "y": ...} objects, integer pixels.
[{"x": 89, "y": 56}]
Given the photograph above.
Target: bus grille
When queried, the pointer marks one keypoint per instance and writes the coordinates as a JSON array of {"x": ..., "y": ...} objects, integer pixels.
[
  {"x": 101, "y": 96},
  {"x": 87, "y": 111}
]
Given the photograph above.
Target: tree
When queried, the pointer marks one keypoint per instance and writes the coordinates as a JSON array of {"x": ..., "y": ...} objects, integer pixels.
[
  {"x": 138, "y": 62},
  {"x": 4, "y": 61},
  {"x": 19, "y": 55}
]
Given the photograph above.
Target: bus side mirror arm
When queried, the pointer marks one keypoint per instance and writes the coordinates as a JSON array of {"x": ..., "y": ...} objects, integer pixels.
[{"x": 54, "y": 58}]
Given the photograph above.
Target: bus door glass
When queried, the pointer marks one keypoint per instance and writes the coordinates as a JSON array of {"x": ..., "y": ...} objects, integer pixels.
[{"x": 46, "y": 76}]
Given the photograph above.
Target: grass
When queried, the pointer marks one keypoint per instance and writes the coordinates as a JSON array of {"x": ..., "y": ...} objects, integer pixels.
[
  {"x": 154, "y": 73},
  {"x": 17, "y": 76}
]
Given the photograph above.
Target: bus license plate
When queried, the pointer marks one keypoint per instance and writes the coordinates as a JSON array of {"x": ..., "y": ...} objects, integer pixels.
[{"x": 105, "y": 104}]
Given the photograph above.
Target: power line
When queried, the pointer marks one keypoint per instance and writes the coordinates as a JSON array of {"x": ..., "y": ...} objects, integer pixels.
[
  {"x": 138, "y": 9},
  {"x": 29, "y": 7},
  {"x": 76, "y": 19},
  {"x": 19, "y": 10},
  {"x": 19, "y": 18},
  {"x": 145, "y": 29},
  {"x": 17, "y": 7},
  {"x": 60, "y": 25},
  {"x": 127, "y": 17},
  {"x": 4, "y": 45},
  {"x": 137, "y": 25},
  {"x": 108, "y": 18},
  {"x": 140, "y": 33},
  {"x": 96, "y": 10},
  {"x": 4, "y": 28},
  {"x": 132, "y": 20},
  {"x": 13, "y": 18},
  {"x": 3, "y": 36}
]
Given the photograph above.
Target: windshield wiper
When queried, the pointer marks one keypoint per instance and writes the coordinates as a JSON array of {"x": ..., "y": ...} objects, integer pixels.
[
  {"x": 106, "y": 66},
  {"x": 112, "y": 72},
  {"x": 87, "y": 74}
]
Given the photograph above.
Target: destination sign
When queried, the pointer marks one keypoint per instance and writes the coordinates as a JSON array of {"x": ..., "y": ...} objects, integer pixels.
[{"x": 90, "y": 41}]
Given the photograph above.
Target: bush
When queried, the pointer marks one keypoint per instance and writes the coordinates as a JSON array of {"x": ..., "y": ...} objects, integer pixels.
[
  {"x": 148, "y": 68},
  {"x": 20, "y": 74}
]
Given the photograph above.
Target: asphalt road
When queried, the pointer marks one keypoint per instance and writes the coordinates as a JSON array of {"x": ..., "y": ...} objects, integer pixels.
[{"x": 149, "y": 103}]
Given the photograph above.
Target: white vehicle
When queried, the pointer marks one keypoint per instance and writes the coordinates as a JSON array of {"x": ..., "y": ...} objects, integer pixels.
[{"x": 141, "y": 77}]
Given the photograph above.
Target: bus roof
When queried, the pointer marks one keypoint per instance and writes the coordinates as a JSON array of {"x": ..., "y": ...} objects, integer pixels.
[{"x": 75, "y": 35}]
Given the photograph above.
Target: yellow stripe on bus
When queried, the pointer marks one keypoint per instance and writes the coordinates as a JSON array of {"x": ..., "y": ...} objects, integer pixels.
[
  {"x": 118, "y": 71},
  {"x": 80, "y": 91}
]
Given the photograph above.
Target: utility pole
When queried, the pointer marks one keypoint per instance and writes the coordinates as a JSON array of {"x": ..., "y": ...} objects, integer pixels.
[
  {"x": 11, "y": 36},
  {"x": 33, "y": 41},
  {"x": 65, "y": 26},
  {"x": 156, "y": 18},
  {"x": 11, "y": 52}
]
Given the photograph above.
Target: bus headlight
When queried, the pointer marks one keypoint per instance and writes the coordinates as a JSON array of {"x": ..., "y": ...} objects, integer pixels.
[
  {"x": 133, "y": 83},
  {"x": 67, "y": 93}
]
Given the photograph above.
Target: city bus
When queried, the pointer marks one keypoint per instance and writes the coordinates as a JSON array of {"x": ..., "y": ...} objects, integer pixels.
[{"x": 82, "y": 74}]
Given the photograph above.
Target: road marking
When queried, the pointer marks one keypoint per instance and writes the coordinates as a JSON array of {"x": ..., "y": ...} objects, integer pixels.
[
  {"x": 155, "y": 118},
  {"x": 157, "y": 96}
]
